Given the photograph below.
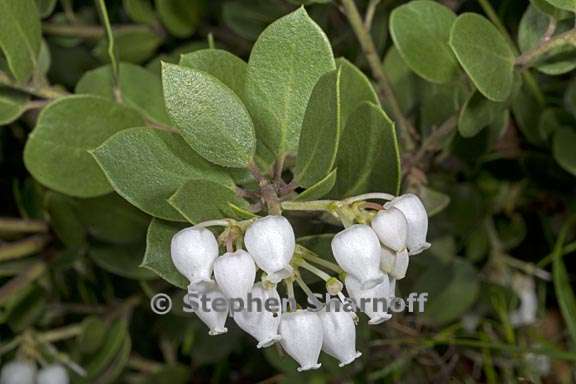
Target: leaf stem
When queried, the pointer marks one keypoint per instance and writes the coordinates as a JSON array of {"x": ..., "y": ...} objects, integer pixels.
[
  {"x": 45, "y": 92},
  {"x": 14, "y": 225},
  {"x": 545, "y": 46},
  {"x": 407, "y": 131},
  {"x": 368, "y": 196},
  {"x": 316, "y": 271},
  {"x": 111, "y": 46},
  {"x": 214, "y": 223},
  {"x": 23, "y": 248}
]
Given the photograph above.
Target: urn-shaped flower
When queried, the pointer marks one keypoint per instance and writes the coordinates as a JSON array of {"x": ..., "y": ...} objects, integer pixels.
[
  {"x": 18, "y": 372},
  {"x": 271, "y": 242},
  {"x": 261, "y": 315},
  {"x": 53, "y": 374},
  {"x": 417, "y": 220},
  {"x": 235, "y": 273},
  {"x": 394, "y": 263},
  {"x": 339, "y": 335},
  {"x": 302, "y": 337},
  {"x": 193, "y": 252},
  {"x": 209, "y": 310},
  {"x": 373, "y": 302},
  {"x": 357, "y": 251},
  {"x": 391, "y": 228}
]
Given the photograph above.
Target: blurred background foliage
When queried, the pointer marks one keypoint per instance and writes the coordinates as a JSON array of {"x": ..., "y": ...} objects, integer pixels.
[{"x": 499, "y": 185}]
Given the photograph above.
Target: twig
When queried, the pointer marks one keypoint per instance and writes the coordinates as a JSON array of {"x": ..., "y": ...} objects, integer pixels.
[
  {"x": 23, "y": 248},
  {"x": 407, "y": 131},
  {"x": 45, "y": 92},
  {"x": 547, "y": 45},
  {"x": 33, "y": 272},
  {"x": 14, "y": 225},
  {"x": 370, "y": 11}
]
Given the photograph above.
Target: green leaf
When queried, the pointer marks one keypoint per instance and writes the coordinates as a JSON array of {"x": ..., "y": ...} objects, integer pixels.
[
  {"x": 111, "y": 219},
  {"x": 402, "y": 79},
  {"x": 121, "y": 260},
  {"x": 433, "y": 200},
  {"x": 286, "y": 62},
  {"x": 563, "y": 148},
  {"x": 458, "y": 286},
  {"x": 223, "y": 65},
  {"x": 567, "y": 5},
  {"x": 368, "y": 157},
  {"x": 532, "y": 30},
  {"x": 64, "y": 220},
  {"x": 212, "y": 118},
  {"x": 180, "y": 17},
  {"x": 201, "y": 200},
  {"x": 141, "y": 11},
  {"x": 485, "y": 55},
  {"x": 320, "y": 189},
  {"x": 570, "y": 98},
  {"x": 45, "y": 7},
  {"x": 249, "y": 18},
  {"x": 320, "y": 131},
  {"x": 333, "y": 98},
  {"x": 547, "y": 8},
  {"x": 12, "y": 105},
  {"x": 527, "y": 112},
  {"x": 562, "y": 284},
  {"x": 421, "y": 31},
  {"x": 58, "y": 149},
  {"x": 478, "y": 113},
  {"x": 146, "y": 166},
  {"x": 133, "y": 45},
  {"x": 20, "y": 36},
  {"x": 157, "y": 257},
  {"x": 139, "y": 89}
]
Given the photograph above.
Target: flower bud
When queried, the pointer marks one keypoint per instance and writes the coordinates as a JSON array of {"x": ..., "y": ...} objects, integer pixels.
[
  {"x": 271, "y": 242},
  {"x": 193, "y": 252},
  {"x": 262, "y": 320},
  {"x": 235, "y": 273},
  {"x": 391, "y": 227},
  {"x": 375, "y": 299},
  {"x": 215, "y": 320},
  {"x": 302, "y": 337},
  {"x": 357, "y": 251},
  {"x": 417, "y": 220},
  {"x": 339, "y": 335},
  {"x": 18, "y": 372},
  {"x": 53, "y": 374}
]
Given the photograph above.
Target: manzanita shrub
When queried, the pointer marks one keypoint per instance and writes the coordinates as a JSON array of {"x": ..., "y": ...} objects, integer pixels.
[{"x": 234, "y": 149}]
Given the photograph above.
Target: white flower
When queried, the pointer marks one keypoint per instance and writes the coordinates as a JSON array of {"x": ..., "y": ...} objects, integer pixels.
[
  {"x": 215, "y": 320},
  {"x": 339, "y": 335},
  {"x": 417, "y": 220},
  {"x": 271, "y": 242},
  {"x": 526, "y": 314},
  {"x": 193, "y": 252},
  {"x": 18, "y": 372},
  {"x": 399, "y": 260},
  {"x": 375, "y": 299},
  {"x": 259, "y": 322},
  {"x": 302, "y": 337},
  {"x": 357, "y": 251},
  {"x": 53, "y": 374},
  {"x": 235, "y": 273},
  {"x": 391, "y": 228}
]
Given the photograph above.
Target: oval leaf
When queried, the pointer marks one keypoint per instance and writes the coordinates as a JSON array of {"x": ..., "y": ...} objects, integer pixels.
[
  {"x": 58, "y": 149},
  {"x": 201, "y": 200},
  {"x": 20, "y": 36},
  {"x": 563, "y": 148},
  {"x": 421, "y": 31},
  {"x": 211, "y": 117},
  {"x": 368, "y": 157},
  {"x": 286, "y": 62},
  {"x": 226, "y": 67},
  {"x": 146, "y": 166},
  {"x": 478, "y": 113},
  {"x": 12, "y": 105},
  {"x": 485, "y": 55},
  {"x": 157, "y": 257}
]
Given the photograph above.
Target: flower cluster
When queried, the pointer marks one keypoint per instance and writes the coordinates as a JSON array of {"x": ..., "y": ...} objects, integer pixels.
[
  {"x": 25, "y": 372},
  {"x": 371, "y": 256}
]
